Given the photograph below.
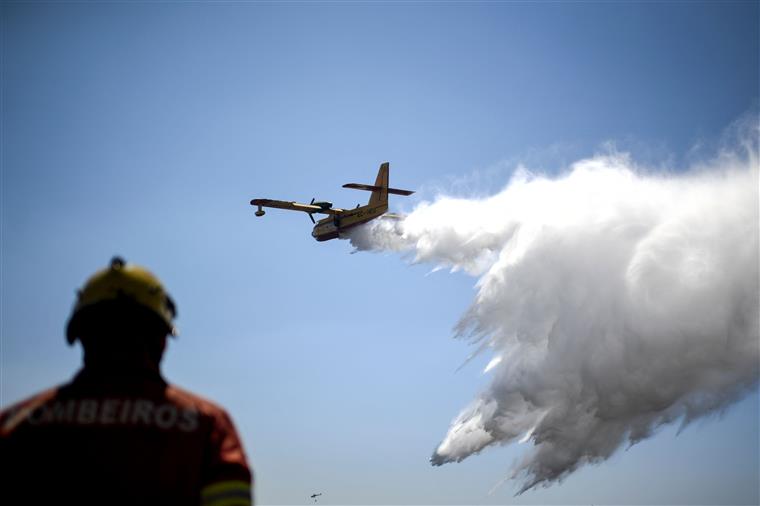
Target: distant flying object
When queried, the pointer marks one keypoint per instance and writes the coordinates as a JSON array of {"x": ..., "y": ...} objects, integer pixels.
[
  {"x": 314, "y": 496},
  {"x": 341, "y": 220}
]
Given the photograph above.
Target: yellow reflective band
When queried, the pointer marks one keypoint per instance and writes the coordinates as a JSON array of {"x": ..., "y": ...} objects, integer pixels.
[
  {"x": 225, "y": 486},
  {"x": 227, "y": 493}
]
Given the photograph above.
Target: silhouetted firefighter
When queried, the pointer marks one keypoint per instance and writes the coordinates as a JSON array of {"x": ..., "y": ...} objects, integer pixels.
[{"x": 118, "y": 433}]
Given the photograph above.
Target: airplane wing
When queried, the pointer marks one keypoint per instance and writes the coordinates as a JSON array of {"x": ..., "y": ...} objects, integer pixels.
[{"x": 294, "y": 206}]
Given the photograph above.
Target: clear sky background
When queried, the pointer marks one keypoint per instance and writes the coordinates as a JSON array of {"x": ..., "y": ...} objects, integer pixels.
[{"x": 143, "y": 129}]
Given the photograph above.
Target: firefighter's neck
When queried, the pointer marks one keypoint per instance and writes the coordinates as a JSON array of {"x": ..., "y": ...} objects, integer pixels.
[
  {"x": 115, "y": 364},
  {"x": 117, "y": 360}
]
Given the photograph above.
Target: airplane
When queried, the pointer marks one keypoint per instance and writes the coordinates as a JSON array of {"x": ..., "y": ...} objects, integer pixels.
[{"x": 341, "y": 220}]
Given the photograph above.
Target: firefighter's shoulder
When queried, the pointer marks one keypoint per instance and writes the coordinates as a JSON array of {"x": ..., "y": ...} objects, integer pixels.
[
  {"x": 223, "y": 427},
  {"x": 190, "y": 400},
  {"x": 11, "y": 417}
]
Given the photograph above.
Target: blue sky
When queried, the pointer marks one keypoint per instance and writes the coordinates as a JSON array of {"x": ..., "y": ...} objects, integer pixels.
[{"x": 144, "y": 130}]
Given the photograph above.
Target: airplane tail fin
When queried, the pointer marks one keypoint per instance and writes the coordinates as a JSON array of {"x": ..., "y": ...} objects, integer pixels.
[
  {"x": 380, "y": 189},
  {"x": 380, "y": 194}
]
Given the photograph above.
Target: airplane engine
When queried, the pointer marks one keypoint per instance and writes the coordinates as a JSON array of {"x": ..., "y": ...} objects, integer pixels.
[{"x": 260, "y": 212}]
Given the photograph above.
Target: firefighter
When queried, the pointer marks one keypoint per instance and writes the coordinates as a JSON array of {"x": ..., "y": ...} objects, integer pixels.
[{"x": 118, "y": 433}]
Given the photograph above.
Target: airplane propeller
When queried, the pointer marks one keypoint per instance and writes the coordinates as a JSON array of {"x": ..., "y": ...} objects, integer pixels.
[{"x": 310, "y": 214}]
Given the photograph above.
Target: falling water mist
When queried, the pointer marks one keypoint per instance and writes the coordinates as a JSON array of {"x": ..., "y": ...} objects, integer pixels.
[{"x": 613, "y": 299}]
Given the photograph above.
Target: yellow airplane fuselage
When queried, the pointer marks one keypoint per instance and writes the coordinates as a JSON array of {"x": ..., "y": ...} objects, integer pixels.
[{"x": 332, "y": 226}]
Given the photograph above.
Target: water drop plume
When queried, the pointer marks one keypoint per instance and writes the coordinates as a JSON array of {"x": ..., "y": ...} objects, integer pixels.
[{"x": 613, "y": 298}]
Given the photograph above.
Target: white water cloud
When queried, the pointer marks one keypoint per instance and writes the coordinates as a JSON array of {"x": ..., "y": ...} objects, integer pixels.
[{"x": 616, "y": 300}]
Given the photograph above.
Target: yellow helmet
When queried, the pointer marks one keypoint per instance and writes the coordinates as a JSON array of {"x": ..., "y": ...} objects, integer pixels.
[{"x": 117, "y": 282}]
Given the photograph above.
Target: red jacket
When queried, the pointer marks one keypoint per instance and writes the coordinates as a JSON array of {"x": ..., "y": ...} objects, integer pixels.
[{"x": 129, "y": 439}]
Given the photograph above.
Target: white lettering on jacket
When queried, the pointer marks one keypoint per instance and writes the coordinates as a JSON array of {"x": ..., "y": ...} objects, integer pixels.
[{"x": 125, "y": 412}]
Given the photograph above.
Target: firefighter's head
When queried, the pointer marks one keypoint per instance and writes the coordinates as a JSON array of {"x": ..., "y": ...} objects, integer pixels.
[{"x": 122, "y": 311}]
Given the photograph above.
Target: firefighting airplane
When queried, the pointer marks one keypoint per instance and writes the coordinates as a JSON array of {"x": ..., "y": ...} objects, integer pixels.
[{"x": 341, "y": 220}]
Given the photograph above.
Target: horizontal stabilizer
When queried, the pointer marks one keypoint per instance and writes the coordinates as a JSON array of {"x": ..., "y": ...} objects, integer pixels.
[{"x": 372, "y": 188}]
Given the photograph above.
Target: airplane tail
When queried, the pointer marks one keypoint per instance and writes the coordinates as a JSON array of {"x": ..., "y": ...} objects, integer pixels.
[
  {"x": 380, "y": 189},
  {"x": 380, "y": 195}
]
